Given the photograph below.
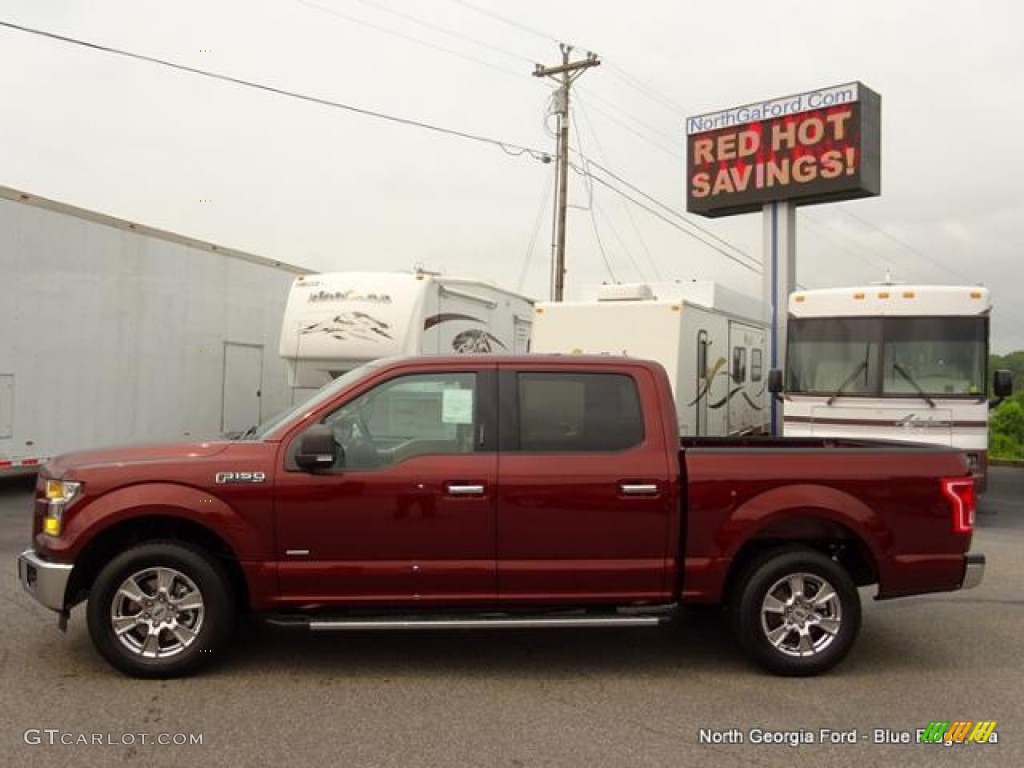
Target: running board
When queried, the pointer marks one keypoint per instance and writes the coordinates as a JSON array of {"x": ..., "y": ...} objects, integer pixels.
[{"x": 448, "y": 622}]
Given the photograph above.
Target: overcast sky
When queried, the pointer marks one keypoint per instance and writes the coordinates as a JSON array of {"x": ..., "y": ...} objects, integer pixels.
[{"x": 331, "y": 189}]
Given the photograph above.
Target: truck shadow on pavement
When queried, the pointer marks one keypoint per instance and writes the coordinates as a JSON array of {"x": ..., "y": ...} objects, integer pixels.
[
  {"x": 703, "y": 643},
  {"x": 700, "y": 645}
]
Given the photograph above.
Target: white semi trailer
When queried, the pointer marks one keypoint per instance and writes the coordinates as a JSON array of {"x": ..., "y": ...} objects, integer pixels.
[
  {"x": 334, "y": 322},
  {"x": 710, "y": 339},
  {"x": 114, "y": 332}
]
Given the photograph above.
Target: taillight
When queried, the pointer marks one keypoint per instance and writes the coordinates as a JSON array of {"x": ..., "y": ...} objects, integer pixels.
[{"x": 960, "y": 492}]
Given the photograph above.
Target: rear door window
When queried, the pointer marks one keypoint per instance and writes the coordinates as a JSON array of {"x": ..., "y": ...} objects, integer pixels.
[{"x": 578, "y": 412}]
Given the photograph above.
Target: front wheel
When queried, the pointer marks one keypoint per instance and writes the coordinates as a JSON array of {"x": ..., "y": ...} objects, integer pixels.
[
  {"x": 159, "y": 610},
  {"x": 798, "y": 612}
]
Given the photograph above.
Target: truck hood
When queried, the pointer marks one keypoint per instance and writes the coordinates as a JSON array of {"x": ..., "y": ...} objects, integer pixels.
[{"x": 125, "y": 455}]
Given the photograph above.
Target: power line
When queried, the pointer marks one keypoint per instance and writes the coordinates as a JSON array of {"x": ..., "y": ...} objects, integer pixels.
[
  {"x": 593, "y": 216},
  {"x": 667, "y": 220},
  {"x": 590, "y": 208},
  {"x": 622, "y": 243},
  {"x": 402, "y": 35},
  {"x": 825, "y": 233},
  {"x": 510, "y": 22},
  {"x": 507, "y": 147},
  {"x": 653, "y": 142},
  {"x": 648, "y": 91},
  {"x": 600, "y": 247},
  {"x": 1008, "y": 308},
  {"x": 626, "y": 208},
  {"x": 446, "y": 31},
  {"x": 676, "y": 213},
  {"x": 904, "y": 245},
  {"x": 533, "y": 236}
]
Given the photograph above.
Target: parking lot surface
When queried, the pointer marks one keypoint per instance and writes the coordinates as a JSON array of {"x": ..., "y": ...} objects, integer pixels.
[{"x": 627, "y": 697}]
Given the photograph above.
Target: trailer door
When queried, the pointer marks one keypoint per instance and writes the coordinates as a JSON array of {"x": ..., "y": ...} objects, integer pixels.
[{"x": 243, "y": 386}]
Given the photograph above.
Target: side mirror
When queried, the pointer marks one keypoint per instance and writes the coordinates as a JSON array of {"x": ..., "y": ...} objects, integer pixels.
[
  {"x": 775, "y": 383},
  {"x": 1002, "y": 386},
  {"x": 317, "y": 449}
]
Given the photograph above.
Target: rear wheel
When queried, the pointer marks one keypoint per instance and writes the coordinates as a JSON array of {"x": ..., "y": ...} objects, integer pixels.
[
  {"x": 159, "y": 610},
  {"x": 797, "y": 612}
]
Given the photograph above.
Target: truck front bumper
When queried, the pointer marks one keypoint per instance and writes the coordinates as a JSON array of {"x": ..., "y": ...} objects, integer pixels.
[
  {"x": 47, "y": 582},
  {"x": 974, "y": 570}
]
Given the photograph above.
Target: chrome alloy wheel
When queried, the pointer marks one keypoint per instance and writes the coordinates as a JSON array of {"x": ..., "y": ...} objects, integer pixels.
[
  {"x": 801, "y": 614},
  {"x": 157, "y": 612}
]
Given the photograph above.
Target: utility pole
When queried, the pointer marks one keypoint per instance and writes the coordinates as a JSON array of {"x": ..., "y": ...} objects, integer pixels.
[{"x": 569, "y": 71}]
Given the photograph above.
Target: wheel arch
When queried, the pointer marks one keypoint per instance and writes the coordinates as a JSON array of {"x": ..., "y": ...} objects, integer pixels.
[
  {"x": 123, "y": 535},
  {"x": 805, "y": 528}
]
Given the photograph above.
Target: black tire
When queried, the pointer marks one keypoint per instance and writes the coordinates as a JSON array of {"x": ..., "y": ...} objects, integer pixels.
[
  {"x": 796, "y": 613},
  {"x": 172, "y": 603}
]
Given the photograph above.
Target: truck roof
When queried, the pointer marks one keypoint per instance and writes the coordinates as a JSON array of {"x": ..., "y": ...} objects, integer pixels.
[{"x": 532, "y": 360}]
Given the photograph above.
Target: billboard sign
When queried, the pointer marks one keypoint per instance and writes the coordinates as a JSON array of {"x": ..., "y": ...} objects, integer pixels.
[{"x": 814, "y": 147}]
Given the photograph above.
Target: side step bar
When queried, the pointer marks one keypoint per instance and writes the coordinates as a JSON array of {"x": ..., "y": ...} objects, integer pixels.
[{"x": 469, "y": 622}]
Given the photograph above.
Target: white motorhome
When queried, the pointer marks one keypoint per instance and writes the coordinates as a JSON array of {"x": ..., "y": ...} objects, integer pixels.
[
  {"x": 711, "y": 341},
  {"x": 336, "y": 321},
  {"x": 903, "y": 362},
  {"x": 115, "y": 332}
]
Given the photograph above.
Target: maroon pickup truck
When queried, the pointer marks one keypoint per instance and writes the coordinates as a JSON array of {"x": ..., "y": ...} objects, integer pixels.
[{"x": 479, "y": 492}]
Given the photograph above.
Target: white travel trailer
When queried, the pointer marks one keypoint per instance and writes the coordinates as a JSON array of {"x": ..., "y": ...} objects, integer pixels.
[
  {"x": 903, "y": 362},
  {"x": 711, "y": 341},
  {"x": 115, "y": 332},
  {"x": 336, "y": 321}
]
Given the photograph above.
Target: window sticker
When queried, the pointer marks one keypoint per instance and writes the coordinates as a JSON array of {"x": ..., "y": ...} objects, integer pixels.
[{"x": 457, "y": 406}]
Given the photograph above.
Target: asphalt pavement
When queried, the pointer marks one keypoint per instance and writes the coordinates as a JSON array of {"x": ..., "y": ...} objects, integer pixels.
[{"x": 651, "y": 697}]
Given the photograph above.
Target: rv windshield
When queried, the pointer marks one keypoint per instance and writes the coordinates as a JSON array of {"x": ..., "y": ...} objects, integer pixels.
[
  {"x": 325, "y": 392},
  {"x": 893, "y": 356}
]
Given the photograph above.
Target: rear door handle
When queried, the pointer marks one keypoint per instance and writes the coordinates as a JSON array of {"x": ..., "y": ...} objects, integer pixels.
[
  {"x": 639, "y": 489},
  {"x": 465, "y": 489}
]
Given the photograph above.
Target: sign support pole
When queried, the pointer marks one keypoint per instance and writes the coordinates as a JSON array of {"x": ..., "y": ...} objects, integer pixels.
[{"x": 779, "y": 222}]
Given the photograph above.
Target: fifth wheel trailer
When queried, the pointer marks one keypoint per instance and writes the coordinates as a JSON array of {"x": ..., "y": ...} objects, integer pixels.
[
  {"x": 710, "y": 339},
  {"x": 113, "y": 332},
  {"x": 335, "y": 322}
]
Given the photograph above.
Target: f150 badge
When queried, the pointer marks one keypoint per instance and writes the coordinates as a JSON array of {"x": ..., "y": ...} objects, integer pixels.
[{"x": 222, "y": 478}]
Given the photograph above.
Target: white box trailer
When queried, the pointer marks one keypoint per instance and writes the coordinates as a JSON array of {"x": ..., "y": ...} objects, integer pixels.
[
  {"x": 114, "y": 332},
  {"x": 710, "y": 339},
  {"x": 337, "y": 321}
]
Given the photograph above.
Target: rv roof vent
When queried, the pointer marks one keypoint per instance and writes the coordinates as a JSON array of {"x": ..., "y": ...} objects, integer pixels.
[{"x": 625, "y": 292}]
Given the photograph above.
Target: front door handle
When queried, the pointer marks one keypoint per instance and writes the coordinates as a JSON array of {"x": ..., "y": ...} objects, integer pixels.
[
  {"x": 465, "y": 489},
  {"x": 639, "y": 489}
]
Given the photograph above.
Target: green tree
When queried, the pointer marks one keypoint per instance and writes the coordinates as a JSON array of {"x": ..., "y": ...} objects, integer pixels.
[
  {"x": 1007, "y": 429},
  {"x": 1008, "y": 420}
]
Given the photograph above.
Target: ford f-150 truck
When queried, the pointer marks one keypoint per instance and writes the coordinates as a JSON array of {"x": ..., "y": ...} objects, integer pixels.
[{"x": 489, "y": 491}]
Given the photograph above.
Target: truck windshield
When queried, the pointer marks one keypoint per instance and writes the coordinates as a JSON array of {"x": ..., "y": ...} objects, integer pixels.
[
  {"x": 325, "y": 392},
  {"x": 892, "y": 356}
]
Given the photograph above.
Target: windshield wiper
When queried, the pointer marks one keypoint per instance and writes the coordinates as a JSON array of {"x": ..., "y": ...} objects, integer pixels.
[
  {"x": 849, "y": 380},
  {"x": 250, "y": 432},
  {"x": 900, "y": 370}
]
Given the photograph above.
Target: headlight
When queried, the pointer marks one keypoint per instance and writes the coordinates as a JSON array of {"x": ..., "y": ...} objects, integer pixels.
[{"x": 59, "y": 494}]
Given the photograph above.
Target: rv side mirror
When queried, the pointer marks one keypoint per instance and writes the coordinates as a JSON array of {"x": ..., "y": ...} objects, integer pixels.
[
  {"x": 1002, "y": 386},
  {"x": 317, "y": 449},
  {"x": 775, "y": 381}
]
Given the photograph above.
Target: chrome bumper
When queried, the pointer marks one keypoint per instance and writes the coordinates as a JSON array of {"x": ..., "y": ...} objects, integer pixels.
[
  {"x": 974, "y": 570},
  {"x": 45, "y": 581}
]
